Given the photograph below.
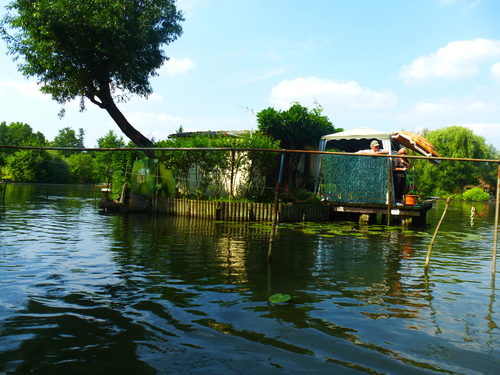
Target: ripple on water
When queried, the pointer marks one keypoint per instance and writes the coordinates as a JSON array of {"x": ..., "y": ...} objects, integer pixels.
[{"x": 148, "y": 293}]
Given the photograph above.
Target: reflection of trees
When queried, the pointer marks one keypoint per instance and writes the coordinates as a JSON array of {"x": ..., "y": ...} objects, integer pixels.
[
  {"x": 71, "y": 334},
  {"x": 22, "y": 194},
  {"x": 192, "y": 251}
]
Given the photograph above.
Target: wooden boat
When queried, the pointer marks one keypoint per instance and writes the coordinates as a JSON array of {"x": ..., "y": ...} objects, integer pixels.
[{"x": 416, "y": 143}]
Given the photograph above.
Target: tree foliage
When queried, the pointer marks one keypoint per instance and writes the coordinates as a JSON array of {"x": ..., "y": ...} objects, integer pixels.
[
  {"x": 297, "y": 128},
  {"x": 112, "y": 166},
  {"x": 452, "y": 176},
  {"x": 24, "y": 165},
  {"x": 102, "y": 51},
  {"x": 67, "y": 137},
  {"x": 82, "y": 168},
  {"x": 237, "y": 171},
  {"x": 19, "y": 134}
]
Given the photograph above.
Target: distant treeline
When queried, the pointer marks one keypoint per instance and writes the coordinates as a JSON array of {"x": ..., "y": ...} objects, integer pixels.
[{"x": 64, "y": 166}]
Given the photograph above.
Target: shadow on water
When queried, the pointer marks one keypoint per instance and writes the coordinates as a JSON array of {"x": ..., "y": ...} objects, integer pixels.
[{"x": 85, "y": 292}]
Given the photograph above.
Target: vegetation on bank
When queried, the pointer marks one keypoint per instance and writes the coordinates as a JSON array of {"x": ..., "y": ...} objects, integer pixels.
[
  {"x": 249, "y": 176},
  {"x": 455, "y": 178}
]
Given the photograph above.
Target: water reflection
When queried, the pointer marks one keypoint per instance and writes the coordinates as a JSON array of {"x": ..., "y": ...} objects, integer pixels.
[{"x": 83, "y": 291}]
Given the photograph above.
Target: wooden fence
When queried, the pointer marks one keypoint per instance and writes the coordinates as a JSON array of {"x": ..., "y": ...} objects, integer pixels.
[{"x": 232, "y": 211}]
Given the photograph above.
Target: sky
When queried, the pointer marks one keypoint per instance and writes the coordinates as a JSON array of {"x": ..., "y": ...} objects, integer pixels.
[{"x": 389, "y": 65}]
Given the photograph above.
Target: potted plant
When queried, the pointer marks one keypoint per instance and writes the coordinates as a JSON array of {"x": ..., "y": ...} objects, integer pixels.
[{"x": 411, "y": 196}]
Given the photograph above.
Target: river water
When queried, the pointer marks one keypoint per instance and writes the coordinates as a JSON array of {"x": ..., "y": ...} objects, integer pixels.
[{"x": 87, "y": 292}]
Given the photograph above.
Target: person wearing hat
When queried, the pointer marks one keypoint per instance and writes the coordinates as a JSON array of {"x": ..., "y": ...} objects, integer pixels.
[{"x": 374, "y": 149}]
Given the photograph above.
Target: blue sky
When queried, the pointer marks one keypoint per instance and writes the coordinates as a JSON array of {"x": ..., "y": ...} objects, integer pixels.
[{"x": 388, "y": 65}]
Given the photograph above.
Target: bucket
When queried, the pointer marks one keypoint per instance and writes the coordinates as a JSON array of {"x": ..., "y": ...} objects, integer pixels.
[{"x": 410, "y": 200}]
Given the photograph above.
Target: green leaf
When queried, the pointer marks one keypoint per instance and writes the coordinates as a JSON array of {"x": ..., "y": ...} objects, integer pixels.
[{"x": 279, "y": 298}]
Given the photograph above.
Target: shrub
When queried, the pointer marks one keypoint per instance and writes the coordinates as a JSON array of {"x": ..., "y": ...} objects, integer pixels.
[{"x": 476, "y": 194}]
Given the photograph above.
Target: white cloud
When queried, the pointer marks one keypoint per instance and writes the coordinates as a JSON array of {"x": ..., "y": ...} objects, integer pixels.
[
  {"x": 495, "y": 71},
  {"x": 26, "y": 88},
  {"x": 456, "y": 109},
  {"x": 157, "y": 125},
  {"x": 175, "y": 66},
  {"x": 457, "y": 59},
  {"x": 261, "y": 77},
  {"x": 432, "y": 109},
  {"x": 474, "y": 114},
  {"x": 485, "y": 129},
  {"x": 145, "y": 119},
  {"x": 343, "y": 95}
]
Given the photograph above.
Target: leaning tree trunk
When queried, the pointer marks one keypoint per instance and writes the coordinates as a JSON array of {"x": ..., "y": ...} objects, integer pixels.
[
  {"x": 106, "y": 102},
  {"x": 132, "y": 133}
]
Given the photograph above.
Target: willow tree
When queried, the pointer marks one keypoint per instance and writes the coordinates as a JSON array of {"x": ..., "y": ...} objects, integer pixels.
[
  {"x": 102, "y": 51},
  {"x": 452, "y": 176}
]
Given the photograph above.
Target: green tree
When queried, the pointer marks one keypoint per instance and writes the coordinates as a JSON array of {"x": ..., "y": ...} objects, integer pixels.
[
  {"x": 452, "y": 176},
  {"x": 67, "y": 137},
  {"x": 29, "y": 165},
  {"x": 114, "y": 166},
  {"x": 24, "y": 165},
  {"x": 102, "y": 51},
  {"x": 106, "y": 161},
  {"x": 19, "y": 134},
  {"x": 82, "y": 168},
  {"x": 56, "y": 169},
  {"x": 297, "y": 128}
]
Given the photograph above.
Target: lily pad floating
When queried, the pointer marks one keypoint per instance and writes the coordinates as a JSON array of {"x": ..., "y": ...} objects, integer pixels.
[{"x": 279, "y": 298}]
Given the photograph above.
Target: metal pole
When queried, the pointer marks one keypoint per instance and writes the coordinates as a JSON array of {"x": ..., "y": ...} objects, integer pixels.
[{"x": 495, "y": 229}]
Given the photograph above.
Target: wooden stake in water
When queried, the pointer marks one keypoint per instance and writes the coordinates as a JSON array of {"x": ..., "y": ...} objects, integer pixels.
[
  {"x": 429, "y": 251},
  {"x": 495, "y": 228},
  {"x": 389, "y": 189},
  {"x": 275, "y": 210}
]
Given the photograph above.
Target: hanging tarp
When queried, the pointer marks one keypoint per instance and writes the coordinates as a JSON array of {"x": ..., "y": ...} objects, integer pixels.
[
  {"x": 354, "y": 179},
  {"x": 352, "y": 140},
  {"x": 150, "y": 177}
]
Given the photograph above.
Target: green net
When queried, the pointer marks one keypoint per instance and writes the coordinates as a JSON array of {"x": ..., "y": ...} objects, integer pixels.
[
  {"x": 150, "y": 177},
  {"x": 354, "y": 179}
]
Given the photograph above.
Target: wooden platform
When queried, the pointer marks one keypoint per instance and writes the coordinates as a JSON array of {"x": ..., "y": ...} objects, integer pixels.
[{"x": 416, "y": 213}]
